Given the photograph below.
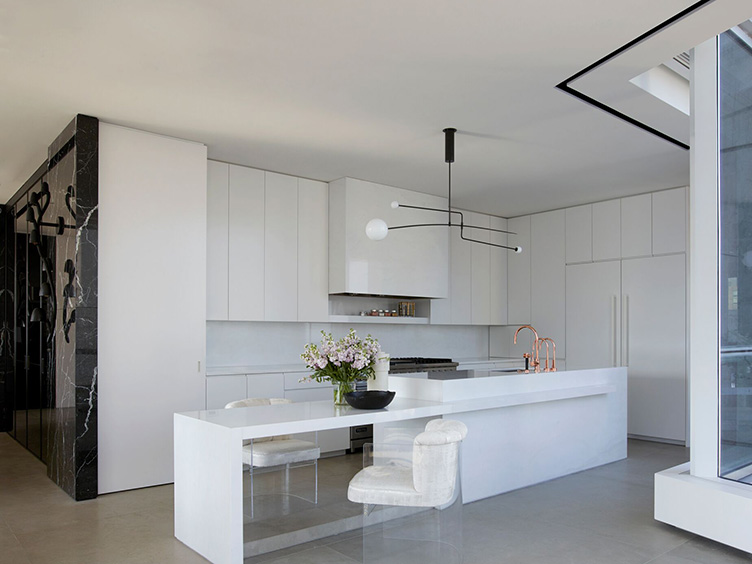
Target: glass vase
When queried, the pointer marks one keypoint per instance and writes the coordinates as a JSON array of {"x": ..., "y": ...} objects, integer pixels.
[{"x": 340, "y": 389}]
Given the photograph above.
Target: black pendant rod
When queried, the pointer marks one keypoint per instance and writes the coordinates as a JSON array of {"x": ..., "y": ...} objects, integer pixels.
[
  {"x": 460, "y": 225},
  {"x": 449, "y": 159}
]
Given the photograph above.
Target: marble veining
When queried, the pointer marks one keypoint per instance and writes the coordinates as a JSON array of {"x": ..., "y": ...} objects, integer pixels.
[{"x": 54, "y": 229}]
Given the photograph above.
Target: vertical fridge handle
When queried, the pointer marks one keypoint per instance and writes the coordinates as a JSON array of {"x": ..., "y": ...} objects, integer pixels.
[
  {"x": 614, "y": 343},
  {"x": 625, "y": 339}
]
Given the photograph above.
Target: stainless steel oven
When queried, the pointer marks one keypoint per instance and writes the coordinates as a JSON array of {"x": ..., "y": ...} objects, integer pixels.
[{"x": 359, "y": 435}]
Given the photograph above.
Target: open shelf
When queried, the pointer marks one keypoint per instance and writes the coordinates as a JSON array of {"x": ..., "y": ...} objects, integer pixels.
[{"x": 374, "y": 319}]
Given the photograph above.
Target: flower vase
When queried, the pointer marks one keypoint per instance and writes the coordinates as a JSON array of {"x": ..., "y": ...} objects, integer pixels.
[{"x": 340, "y": 389}]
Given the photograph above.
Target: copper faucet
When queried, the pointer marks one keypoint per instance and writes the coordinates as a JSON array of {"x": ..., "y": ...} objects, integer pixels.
[
  {"x": 553, "y": 360},
  {"x": 534, "y": 357}
]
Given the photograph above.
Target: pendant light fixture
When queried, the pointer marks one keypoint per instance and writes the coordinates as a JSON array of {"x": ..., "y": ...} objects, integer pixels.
[{"x": 377, "y": 229}]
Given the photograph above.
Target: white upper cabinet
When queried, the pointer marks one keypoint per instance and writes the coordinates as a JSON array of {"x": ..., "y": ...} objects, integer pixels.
[
  {"x": 579, "y": 238},
  {"x": 607, "y": 230},
  {"x": 409, "y": 262},
  {"x": 267, "y": 246},
  {"x": 481, "y": 269},
  {"x": 548, "y": 274},
  {"x": 217, "y": 240},
  {"x": 670, "y": 221},
  {"x": 498, "y": 271},
  {"x": 461, "y": 278},
  {"x": 636, "y": 226},
  {"x": 518, "y": 273},
  {"x": 281, "y": 247},
  {"x": 313, "y": 250},
  {"x": 246, "y": 248}
]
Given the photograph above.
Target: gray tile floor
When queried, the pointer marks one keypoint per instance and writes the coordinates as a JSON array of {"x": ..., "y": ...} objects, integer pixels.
[{"x": 599, "y": 516}]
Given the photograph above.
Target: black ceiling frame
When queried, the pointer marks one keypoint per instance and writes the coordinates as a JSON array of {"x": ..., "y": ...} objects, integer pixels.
[{"x": 564, "y": 86}]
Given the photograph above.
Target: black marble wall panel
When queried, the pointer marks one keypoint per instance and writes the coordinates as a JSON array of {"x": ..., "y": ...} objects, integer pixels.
[
  {"x": 7, "y": 277},
  {"x": 73, "y": 182},
  {"x": 54, "y": 317}
]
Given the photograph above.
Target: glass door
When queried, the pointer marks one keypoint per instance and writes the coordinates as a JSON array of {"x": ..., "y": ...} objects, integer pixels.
[{"x": 735, "y": 101}]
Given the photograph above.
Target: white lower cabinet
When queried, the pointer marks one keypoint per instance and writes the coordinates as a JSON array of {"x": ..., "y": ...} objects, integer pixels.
[
  {"x": 654, "y": 345},
  {"x": 265, "y": 386},
  {"x": 593, "y": 315},
  {"x": 221, "y": 390}
]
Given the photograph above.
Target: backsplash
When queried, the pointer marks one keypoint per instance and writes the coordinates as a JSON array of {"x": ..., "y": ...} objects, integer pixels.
[{"x": 243, "y": 343}]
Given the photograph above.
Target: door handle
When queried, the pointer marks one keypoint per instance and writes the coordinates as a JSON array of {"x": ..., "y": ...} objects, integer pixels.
[
  {"x": 626, "y": 330},
  {"x": 614, "y": 344}
]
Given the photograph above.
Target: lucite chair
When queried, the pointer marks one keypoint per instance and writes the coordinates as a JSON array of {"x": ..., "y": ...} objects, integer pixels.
[
  {"x": 430, "y": 485},
  {"x": 282, "y": 451}
]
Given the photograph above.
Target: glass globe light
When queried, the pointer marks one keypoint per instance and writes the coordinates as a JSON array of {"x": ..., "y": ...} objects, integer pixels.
[{"x": 376, "y": 229}]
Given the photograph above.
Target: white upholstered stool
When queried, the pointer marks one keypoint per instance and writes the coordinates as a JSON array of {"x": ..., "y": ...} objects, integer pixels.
[
  {"x": 282, "y": 450},
  {"x": 432, "y": 482}
]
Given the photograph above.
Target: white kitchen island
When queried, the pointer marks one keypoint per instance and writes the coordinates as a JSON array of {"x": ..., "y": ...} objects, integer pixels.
[{"x": 523, "y": 429}]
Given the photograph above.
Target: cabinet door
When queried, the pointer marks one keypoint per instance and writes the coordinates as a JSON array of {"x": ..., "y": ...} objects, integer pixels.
[
  {"x": 636, "y": 226},
  {"x": 579, "y": 238},
  {"x": 498, "y": 269},
  {"x": 246, "y": 244},
  {"x": 460, "y": 278},
  {"x": 607, "y": 230},
  {"x": 221, "y": 390},
  {"x": 314, "y": 394},
  {"x": 281, "y": 248},
  {"x": 654, "y": 343},
  {"x": 441, "y": 311},
  {"x": 593, "y": 315},
  {"x": 481, "y": 269},
  {"x": 265, "y": 385},
  {"x": 670, "y": 221},
  {"x": 313, "y": 251},
  {"x": 548, "y": 276},
  {"x": 217, "y": 240},
  {"x": 518, "y": 272},
  {"x": 293, "y": 382}
]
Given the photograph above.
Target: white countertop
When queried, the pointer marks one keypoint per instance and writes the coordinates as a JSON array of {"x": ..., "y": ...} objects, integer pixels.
[
  {"x": 437, "y": 398},
  {"x": 282, "y": 419},
  {"x": 300, "y": 367}
]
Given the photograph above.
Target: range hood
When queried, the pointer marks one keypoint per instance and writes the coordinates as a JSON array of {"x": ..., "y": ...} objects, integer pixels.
[{"x": 414, "y": 265}]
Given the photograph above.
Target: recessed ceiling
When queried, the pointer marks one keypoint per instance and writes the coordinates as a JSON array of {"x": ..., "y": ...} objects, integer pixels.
[{"x": 336, "y": 88}]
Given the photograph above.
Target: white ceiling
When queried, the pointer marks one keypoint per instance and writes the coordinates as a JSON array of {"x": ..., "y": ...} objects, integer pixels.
[{"x": 332, "y": 88}]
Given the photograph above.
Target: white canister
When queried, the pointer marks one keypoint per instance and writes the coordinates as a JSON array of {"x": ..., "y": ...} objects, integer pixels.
[{"x": 380, "y": 381}]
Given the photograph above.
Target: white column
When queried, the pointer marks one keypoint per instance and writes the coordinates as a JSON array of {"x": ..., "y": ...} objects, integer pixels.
[{"x": 703, "y": 263}]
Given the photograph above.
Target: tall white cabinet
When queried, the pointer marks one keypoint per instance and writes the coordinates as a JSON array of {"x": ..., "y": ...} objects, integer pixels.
[
  {"x": 593, "y": 315},
  {"x": 152, "y": 287},
  {"x": 627, "y": 307},
  {"x": 654, "y": 345}
]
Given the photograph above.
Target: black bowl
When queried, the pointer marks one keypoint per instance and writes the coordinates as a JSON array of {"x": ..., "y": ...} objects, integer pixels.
[{"x": 371, "y": 399}]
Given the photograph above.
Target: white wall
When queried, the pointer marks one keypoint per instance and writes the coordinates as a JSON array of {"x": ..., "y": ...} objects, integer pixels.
[
  {"x": 152, "y": 300},
  {"x": 238, "y": 343}
]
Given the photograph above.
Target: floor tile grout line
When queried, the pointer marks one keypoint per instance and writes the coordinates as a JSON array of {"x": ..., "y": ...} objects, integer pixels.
[{"x": 670, "y": 550}]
